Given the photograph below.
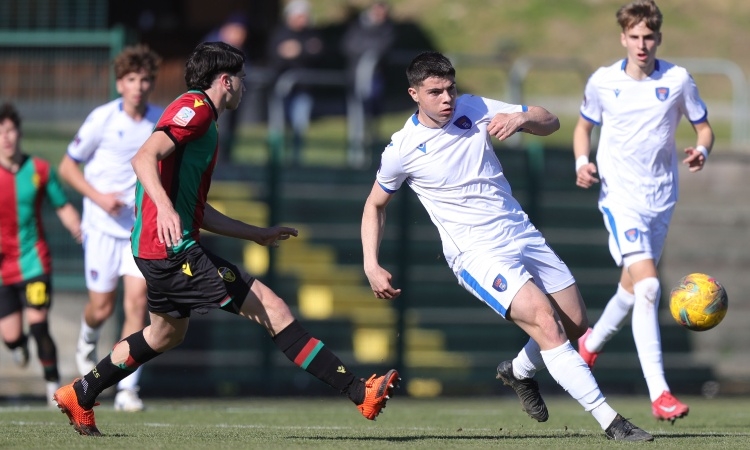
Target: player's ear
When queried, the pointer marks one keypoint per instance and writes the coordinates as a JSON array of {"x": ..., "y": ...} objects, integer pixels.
[{"x": 413, "y": 94}]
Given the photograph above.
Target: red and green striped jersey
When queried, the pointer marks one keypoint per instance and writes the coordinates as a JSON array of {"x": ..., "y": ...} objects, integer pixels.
[
  {"x": 23, "y": 249},
  {"x": 190, "y": 121}
]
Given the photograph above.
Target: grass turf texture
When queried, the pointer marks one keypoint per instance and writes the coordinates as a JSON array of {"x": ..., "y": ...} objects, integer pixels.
[{"x": 406, "y": 423}]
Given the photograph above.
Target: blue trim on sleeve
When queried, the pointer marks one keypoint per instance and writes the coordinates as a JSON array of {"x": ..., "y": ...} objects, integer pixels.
[
  {"x": 701, "y": 120},
  {"x": 79, "y": 161},
  {"x": 386, "y": 189},
  {"x": 590, "y": 119},
  {"x": 486, "y": 296}
]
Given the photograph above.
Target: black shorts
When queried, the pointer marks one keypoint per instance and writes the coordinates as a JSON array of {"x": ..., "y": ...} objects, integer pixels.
[
  {"x": 195, "y": 280},
  {"x": 32, "y": 293}
]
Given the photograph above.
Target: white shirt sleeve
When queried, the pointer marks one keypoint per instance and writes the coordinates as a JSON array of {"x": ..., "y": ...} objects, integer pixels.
[
  {"x": 391, "y": 173},
  {"x": 693, "y": 107},
  {"x": 591, "y": 108}
]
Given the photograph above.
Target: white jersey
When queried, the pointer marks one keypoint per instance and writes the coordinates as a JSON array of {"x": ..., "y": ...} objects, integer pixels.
[
  {"x": 105, "y": 143},
  {"x": 457, "y": 176},
  {"x": 637, "y": 156}
]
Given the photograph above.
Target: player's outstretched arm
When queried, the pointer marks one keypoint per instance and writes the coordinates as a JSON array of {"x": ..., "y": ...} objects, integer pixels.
[
  {"x": 216, "y": 222},
  {"x": 373, "y": 223}
]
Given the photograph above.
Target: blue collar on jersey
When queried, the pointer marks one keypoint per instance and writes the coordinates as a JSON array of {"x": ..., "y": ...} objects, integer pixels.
[{"x": 625, "y": 64}]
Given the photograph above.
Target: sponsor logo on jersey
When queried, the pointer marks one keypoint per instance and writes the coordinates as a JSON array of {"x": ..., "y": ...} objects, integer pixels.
[
  {"x": 631, "y": 235},
  {"x": 76, "y": 140},
  {"x": 186, "y": 269},
  {"x": 198, "y": 102},
  {"x": 500, "y": 285},
  {"x": 226, "y": 274},
  {"x": 463, "y": 123},
  {"x": 94, "y": 274},
  {"x": 662, "y": 93},
  {"x": 422, "y": 147},
  {"x": 617, "y": 92},
  {"x": 183, "y": 116}
]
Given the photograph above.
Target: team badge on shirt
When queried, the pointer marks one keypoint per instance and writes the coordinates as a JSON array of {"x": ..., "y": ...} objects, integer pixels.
[
  {"x": 463, "y": 123},
  {"x": 662, "y": 93},
  {"x": 631, "y": 235},
  {"x": 183, "y": 116},
  {"x": 500, "y": 285},
  {"x": 422, "y": 147},
  {"x": 226, "y": 274}
]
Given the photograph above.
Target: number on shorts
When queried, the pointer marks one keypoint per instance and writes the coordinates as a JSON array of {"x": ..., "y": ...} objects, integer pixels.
[{"x": 36, "y": 293}]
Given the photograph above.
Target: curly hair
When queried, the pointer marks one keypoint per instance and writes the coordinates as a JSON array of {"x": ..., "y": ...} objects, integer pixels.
[{"x": 136, "y": 58}]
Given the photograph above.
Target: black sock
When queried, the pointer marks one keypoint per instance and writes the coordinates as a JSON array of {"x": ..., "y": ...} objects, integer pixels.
[
  {"x": 46, "y": 350},
  {"x": 310, "y": 354},
  {"x": 107, "y": 374}
]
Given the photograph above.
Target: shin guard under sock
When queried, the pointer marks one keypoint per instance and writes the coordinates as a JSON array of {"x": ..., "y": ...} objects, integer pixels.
[
  {"x": 310, "y": 354},
  {"x": 107, "y": 374}
]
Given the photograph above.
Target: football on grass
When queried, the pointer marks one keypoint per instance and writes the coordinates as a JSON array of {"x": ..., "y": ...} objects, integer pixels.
[{"x": 699, "y": 302}]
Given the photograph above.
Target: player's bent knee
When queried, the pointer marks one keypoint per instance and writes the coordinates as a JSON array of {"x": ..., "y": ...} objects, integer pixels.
[{"x": 649, "y": 289}]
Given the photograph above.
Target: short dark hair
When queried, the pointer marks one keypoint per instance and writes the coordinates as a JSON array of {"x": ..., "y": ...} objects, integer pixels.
[
  {"x": 209, "y": 60},
  {"x": 638, "y": 11},
  {"x": 429, "y": 64},
  {"x": 9, "y": 112}
]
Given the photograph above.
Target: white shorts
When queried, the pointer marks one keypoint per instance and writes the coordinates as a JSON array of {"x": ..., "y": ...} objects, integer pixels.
[
  {"x": 495, "y": 276},
  {"x": 635, "y": 236},
  {"x": 106, "y": 259}
]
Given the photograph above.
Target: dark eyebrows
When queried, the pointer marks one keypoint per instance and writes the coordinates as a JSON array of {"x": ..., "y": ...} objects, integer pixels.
[{"x": 438, "y": 90}]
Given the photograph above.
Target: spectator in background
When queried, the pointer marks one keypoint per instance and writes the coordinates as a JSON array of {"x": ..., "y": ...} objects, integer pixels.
[
  {"x": 371, "y": 32},
  {"x": 25, "y": 264},
  {"x": 233, "y": 31},
  {"x": 105, "y": 143},
  {"x": 294, "y": 44},
  {"x": 367, "y": 39}
]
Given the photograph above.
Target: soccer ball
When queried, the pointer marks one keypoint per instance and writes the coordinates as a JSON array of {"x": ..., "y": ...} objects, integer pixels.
[{"x": 699, "y": 302}]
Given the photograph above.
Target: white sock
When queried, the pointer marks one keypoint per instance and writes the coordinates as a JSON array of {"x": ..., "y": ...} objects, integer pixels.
[
  {"x": 612, "y": 319},
  {"x": 131, "y": 381},
  {"x": 571, "y": 372},
  {"x": 528, "y": 361},
  {"x": 647, "y": 336},
  {"x": 89, "y": 335}
]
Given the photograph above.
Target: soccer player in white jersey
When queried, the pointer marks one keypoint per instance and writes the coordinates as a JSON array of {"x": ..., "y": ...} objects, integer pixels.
[
  {"x": 638, "y": 103},
  {"x": 105, "y": 143},
  {"x": 445, "y": 154}
]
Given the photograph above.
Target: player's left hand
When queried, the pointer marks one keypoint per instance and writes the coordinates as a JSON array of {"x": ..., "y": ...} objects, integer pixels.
[
  {"x": 272, "y": 235},
  {"x": 503, "y": 125},
  {"x": 694, "y": 159}
]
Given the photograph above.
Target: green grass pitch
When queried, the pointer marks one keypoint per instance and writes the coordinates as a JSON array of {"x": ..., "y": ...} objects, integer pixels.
[{"x": 334, "y": 423}]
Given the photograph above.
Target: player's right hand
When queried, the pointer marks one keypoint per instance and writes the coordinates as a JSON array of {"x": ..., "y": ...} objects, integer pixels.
[
  {"x": 585, "y": 177},
  {"x": 110, "y": 203},
  {"x": 168, "y": 226},
  {"x": 380, "y": 282}
]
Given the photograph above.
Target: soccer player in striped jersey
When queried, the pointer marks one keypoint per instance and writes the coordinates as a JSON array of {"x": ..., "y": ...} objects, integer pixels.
[
  {"x": 445, "y": 154},
  {"x": 638, "y": 102},
  {"x": 25, "y": 260},
  {"x": 105, "y": 143},
  {"x": 174, "y": 168}
]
